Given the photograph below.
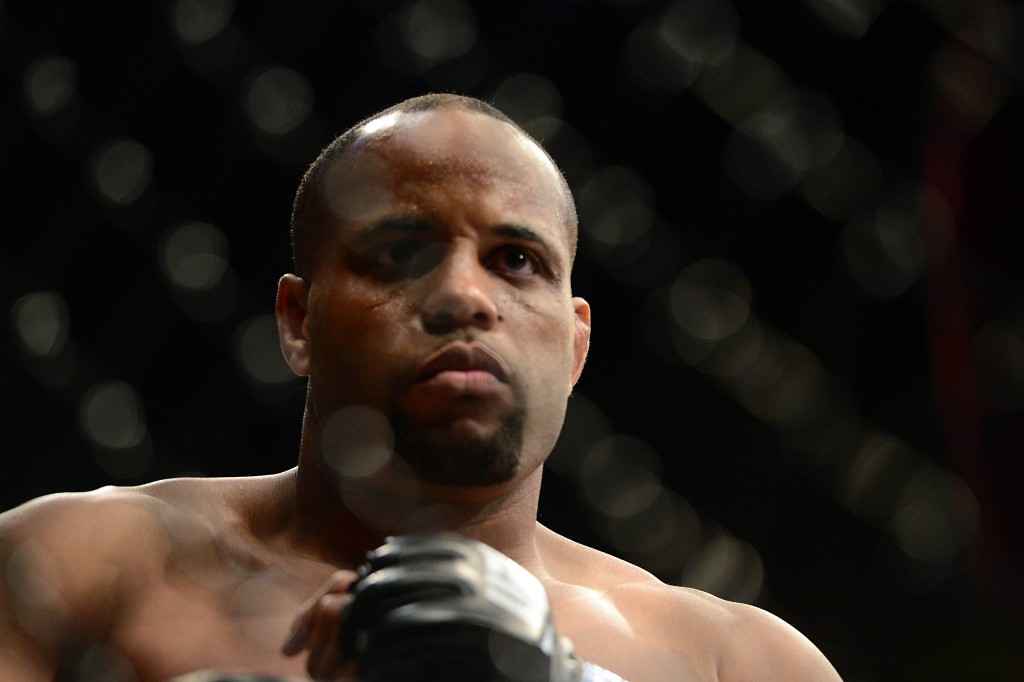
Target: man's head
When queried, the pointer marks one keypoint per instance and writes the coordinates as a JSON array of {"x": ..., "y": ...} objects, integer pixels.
[
  {"x": 434, "y": 245},
  {"x": 311, "y": 217}
]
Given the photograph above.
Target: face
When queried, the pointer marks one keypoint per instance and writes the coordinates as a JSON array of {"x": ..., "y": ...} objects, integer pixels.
[{"x": 442, "y": 298}]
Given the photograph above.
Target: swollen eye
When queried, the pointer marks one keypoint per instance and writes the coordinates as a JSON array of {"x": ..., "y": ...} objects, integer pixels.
[{"x": 398, "y": 254}]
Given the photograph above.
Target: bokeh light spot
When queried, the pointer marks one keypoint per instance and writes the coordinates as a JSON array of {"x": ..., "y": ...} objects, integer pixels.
[
  {"x": 357, "y": 442},
  {"x": 41, "y": 323},
  {"x": 196, "y": 21},
  {"x": 438, "y": 30},
  {"x": 258, "y": 352},
  {"x": 532, "y": 101},
  {"x": 616, "y": 207},
  {"x": 50, "y": 84},
  {"x": 703, "y": 31},
  {"x": 111, "y": 415},
  {"x": 194, "y": 256},
  {"x": 726, "y": 567},
  {"x": 121, "y": 170},
  {"x": 277, "y": 100}
]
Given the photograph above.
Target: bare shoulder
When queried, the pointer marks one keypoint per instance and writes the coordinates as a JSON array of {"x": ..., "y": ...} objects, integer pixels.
[
  {"x": 743, "y": 641},
  {"x": 99, "y": 542}
]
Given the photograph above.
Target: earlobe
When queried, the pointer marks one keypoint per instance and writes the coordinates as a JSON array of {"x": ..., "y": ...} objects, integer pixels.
[
  {"x": 581, "y": 341},
  {"x": 292, "y": 322}
]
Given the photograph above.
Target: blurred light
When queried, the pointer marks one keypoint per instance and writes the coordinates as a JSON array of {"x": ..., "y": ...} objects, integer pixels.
[
  {"x": 726, "y": 567},
  {"x": 709, "y": 301},
  {"x": 885, "y": 253},
  {"x": 731, "y": 357},
  {"x": 532, "y": 101},
  {"x": 742, "y": 85},
  {"x": 194, "y": 256},
  {"x": 50, "y": 84},
  {"x": 852, "y": 17},
  {"x": 616, "y": 207},
  {"x": 33, "y": 582},
  {"x": 785, "y": 386},
  {"x": 969, "y": 84},
  {"x": 585, "y": 425},
  {"x": 952, "y": 14},
  {"x": 357, "y": 442},
  {"x": 702, "y": 31},
  {"x": 213, "y": 304},
  {"x": 826, "y": 440},
  {"x": 112, "y": 417},
  {"x": 439, "y": 30},
  {"x": 103, "y": 664},
  {"x": 121, "y": 170},
  {"x": 876, "y": 476},
  {"x": 770, "y": 151},
  {"x": 277, "y": 100},
  {"x": 571, "y": 152},
  {"x": 646, "y": 262},
  {"x": 196, "y": 21},
  {"x": 41, "y": 323},
  {"x": 257, "y": 604},
  {"x": 756, "y": 171},
  {"x": 258, "y": 352},
  {"x": 653, "y": 62},
  {"x": 661, "y": 537},
  {"x": 847, "y": 185},
  {"x": 998, "y": 353},
  {"x": 935, "y": 523},
  {"x": 620, "y": 476}
]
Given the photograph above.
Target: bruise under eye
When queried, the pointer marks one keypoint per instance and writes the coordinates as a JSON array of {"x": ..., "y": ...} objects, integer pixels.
[{"x": 406, "y": 257}]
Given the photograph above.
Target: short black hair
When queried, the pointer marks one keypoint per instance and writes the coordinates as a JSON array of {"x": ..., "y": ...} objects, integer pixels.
[{"x": 306, "y": 225}]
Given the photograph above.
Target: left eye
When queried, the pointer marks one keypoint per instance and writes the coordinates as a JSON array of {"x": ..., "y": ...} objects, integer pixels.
[{"x": 516, "y": 260}]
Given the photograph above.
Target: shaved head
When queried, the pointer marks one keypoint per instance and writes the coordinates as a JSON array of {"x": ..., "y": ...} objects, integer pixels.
[{"x": 312, "y": 218}]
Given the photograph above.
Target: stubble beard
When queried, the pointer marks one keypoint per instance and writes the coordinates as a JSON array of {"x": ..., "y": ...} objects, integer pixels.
[{"x": 445, "y": 455}]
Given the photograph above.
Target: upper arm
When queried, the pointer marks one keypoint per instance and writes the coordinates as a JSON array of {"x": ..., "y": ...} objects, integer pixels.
[
  {"x": 763, "y": 647},
  {"x": 61, "y": 563}
]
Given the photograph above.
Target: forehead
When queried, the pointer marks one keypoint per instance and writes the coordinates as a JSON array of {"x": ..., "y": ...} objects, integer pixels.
[{"x": 449, "y": 149}]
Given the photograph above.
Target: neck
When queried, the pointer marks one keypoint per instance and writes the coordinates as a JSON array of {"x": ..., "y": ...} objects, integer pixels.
[{"x": 339, "y": 521}]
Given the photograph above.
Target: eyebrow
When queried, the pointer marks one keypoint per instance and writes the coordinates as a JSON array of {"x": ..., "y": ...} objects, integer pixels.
[
  {"x": 523, "y": 233},
  {"x": 410, "y": 225},
  {"x": 393, "y": 225}
]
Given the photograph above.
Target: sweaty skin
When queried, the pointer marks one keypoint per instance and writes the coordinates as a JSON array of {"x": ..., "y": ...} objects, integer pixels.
[{"x": 449, "y": 239}]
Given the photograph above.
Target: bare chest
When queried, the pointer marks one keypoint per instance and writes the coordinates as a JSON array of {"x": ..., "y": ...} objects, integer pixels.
[
  {"x": 629, "y": 642},
  {"x": 214, "y": 622}
]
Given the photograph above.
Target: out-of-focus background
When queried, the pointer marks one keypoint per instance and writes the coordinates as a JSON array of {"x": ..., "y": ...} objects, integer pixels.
[{"x": 800, "y": 234}]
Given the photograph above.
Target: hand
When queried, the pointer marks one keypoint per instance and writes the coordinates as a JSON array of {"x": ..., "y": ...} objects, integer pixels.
[{"x": 317, "y": 629}]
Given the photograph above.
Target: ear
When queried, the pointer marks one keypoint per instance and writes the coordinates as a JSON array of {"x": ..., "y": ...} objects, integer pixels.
[
  {"x": 581, "y": 340},
  {"x": 293, "y": 322}
]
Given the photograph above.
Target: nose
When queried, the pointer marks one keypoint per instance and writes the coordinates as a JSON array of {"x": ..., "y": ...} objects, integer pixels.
[{"x": 458, "y": 293}]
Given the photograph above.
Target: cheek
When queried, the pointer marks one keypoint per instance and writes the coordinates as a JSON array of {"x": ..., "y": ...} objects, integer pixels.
[{"x": 354, "y": 334}]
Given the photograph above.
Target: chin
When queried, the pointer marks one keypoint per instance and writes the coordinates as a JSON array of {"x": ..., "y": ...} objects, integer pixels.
[{"x": 462, "y": 454}]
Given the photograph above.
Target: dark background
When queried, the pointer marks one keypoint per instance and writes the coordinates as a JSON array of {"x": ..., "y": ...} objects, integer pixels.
[{"x": 799, "y": 234}]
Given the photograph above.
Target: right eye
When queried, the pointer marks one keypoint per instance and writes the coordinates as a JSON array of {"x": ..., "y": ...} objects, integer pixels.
[{"x": 397, "y": 255}]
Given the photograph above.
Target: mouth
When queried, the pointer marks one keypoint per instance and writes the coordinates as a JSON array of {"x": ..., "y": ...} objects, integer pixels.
[{"x": 468, "y": 358}]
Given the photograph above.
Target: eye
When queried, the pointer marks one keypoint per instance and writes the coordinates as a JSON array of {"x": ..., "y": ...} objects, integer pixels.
[
  {"x": 397, "y": 255},
  {"x": 516, "y": 260}
]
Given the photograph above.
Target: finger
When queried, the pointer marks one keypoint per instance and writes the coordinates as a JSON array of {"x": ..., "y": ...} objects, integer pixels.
[
  {"x": 325, "y": 656},
  {"x": 298, "y": 636}
]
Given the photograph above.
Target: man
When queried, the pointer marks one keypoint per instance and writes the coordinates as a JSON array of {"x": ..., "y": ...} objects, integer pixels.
[{"x": 433, "y": 315}]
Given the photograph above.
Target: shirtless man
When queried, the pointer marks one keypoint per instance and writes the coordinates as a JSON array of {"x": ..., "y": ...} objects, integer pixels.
[{"x": 433, "y": 315}]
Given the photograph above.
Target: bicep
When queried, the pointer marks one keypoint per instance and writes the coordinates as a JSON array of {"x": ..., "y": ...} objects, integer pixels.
[
  {"x": 56, "y": 583},
  {"x": 21, "y": 657}
]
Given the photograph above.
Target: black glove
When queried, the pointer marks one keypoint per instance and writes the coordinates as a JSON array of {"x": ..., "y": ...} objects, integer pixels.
[{"x": 443, "y": 607}]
